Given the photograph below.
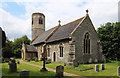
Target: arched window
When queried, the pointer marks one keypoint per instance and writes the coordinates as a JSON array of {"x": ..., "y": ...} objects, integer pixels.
[
  {"x": 87, "y": 43},
  {"x": 61, "y": 50},
  {"x": 40, "y": 21}
]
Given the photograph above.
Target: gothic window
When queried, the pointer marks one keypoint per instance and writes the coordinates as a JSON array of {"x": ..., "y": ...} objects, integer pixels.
[
  {"x": 61, "y": 50},
  {"x": 48, "y": 52},
  {"x": 87, "y": 43},
  {"x": 40, "y": 21}
]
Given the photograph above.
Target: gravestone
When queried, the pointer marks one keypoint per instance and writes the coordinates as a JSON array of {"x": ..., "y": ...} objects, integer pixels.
[
  {"x": 24, "y": 74},
  {"x": 12, "y": 66},
  {"x": 118, "y": 70},
  {"x": 97, "y": 68},
  {"x": 96, "y": 60},
  {"x": 102, "y": 67},
  {"x": 90, "y": 60},
  {"x": 59, "y": 71},
  {"x": 75, "y": 63},
  {"x": 44, "y": 69}
]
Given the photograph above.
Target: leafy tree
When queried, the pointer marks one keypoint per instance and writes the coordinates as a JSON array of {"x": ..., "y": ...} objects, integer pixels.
[
  {"x": 14, "y": 48},
  {"x": 7, "y": 49},
  {"x": 109, "y": 35},
  {"x": 17, "y": 45}
]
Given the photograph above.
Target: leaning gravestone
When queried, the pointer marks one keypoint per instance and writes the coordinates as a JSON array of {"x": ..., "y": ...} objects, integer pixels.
[
  {"x": 102, "y": 67},
  {"x": 24, "y": 74},
  {"x": 97, "y": 68},
  {"x": 12, "y": 66},
  {"x": 59, "y": 71},
  {"x": 118, "y": 70}
]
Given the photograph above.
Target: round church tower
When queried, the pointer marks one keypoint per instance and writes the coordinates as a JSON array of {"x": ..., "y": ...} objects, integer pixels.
[{"x": 38, "y": 24}]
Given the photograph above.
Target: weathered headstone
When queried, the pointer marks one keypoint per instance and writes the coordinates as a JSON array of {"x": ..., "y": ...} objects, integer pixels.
[
  {"x": 44, "y": 69},
  {"x": 90, "y": 60},
  {"x": 24, "y": 74},
  {"x": 96, "y": 60},
  {"x": 75, "y": 63},
  {"x": 118, "y": 70},
  {"x": 59, "y": 71},
  {"x": 102, "y": 67},
  {"x": 97, "y": 68},
  {"x": 12, "y": 66}
]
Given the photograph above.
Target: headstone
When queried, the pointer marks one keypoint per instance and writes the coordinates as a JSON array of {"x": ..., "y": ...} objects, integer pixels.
[
  {"x": 59, "y": 71},
  {"x": 90, "y": 60},
  {"x": 75, "y": 63},
  {"x": 102, "y": 67},
  {"x": 96, "y": 60},
  {"x": 118, "y": 70},
  {"x": 24, "y": 74},
  {"x": 97, "y": 68},
  {"x": 12, "y": 66}
]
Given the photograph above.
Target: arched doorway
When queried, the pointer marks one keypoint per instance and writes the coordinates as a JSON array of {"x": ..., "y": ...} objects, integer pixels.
[{"x": 54, "y": 57}]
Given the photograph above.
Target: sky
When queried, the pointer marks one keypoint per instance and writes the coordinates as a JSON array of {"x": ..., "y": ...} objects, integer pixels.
[{"x": 15, "y": 15}]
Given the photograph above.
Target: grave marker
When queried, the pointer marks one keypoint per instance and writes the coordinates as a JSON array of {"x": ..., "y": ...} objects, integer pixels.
[{"x": 59, "y": 71}]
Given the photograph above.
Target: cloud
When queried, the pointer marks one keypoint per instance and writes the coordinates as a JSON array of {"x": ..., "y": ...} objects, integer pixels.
[
  {"x": 13, "y": 26},
  {"x": 100, "y": 11}
]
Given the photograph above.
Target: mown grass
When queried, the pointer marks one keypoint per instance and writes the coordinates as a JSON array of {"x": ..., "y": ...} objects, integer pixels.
[
  {"x": 110, "y": 69},
  {"x": 34, "y": 71}
]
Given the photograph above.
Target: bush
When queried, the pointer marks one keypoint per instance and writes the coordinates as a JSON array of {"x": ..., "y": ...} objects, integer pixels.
[
  {"x": 48, "y": 61},
  {"x": 28, "y": 59},
  {"x": 36, "y": 59},
  {"x": 33, "y": 59},
  {"x": 6, "y": 60}
]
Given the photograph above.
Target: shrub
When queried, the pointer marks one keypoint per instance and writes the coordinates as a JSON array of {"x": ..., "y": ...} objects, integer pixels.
[
  {"x": 6, "y": 60},
  {"x": 36, "y": 59},
  {"x": 28, "y": 59},
  {"x": 48, "y": 61},
  {"x": 33, "y": 59}
]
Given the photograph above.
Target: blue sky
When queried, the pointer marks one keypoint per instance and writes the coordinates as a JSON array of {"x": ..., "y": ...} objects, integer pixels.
[
  {"x": 14, "y": 9},
  {"x": 16, "y": 14}
]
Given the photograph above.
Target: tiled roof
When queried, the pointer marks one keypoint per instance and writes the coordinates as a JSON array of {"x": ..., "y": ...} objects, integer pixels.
[
  {"x": 30, "y": 48},
  {"x": 62, "y": 32},
  {"x": 43, "y": 36}
]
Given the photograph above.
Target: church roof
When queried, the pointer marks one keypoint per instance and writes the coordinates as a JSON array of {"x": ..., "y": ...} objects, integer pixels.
[
  {"x": 30, "y": 48},
  {"x": 63, "y": 32}
]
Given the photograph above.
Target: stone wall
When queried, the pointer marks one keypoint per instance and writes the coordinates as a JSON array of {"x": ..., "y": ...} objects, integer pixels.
[
  {"x": 78, "y": 37},
  {"x": 55, "y": 47}
]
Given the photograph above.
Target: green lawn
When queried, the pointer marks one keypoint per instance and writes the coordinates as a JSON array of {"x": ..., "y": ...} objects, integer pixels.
[
  {"x": 110, "y": 69},
  {"x": 34, "y": 71}
]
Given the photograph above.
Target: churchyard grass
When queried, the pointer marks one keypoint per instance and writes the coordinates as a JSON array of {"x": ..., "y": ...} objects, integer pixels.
[
  {"x": 110, "y": 69},
  {"x": 34, "y": 71}
]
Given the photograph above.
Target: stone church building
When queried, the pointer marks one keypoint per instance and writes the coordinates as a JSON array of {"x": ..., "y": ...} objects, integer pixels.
[{"x": 75, "y": 41}]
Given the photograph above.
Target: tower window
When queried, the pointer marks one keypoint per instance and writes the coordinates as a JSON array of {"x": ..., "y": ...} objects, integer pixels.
[
  {"x": 87, "y": 44},
  {"x": 40, "y": 21}
]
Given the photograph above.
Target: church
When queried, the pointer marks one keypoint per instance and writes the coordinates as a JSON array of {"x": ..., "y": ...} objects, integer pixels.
[{"x": 76, "y": 41}]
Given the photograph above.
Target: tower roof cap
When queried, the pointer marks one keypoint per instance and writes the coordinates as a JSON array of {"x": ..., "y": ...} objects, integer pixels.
[{"x": 37, "y": 13}]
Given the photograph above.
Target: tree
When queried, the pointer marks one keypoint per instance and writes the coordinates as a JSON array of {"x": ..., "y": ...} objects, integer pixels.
[
  {"x": 7, "y": 49},
  {"x": 109, "y": 35},
  {"x": 17, "y": 45},
  {"x": 13, "y": 48}
]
